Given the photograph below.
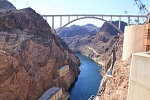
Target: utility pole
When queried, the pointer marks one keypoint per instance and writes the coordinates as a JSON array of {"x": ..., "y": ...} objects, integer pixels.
[
  {"x": 126, "y": 12},
  {"x": 27, "y": 5}
]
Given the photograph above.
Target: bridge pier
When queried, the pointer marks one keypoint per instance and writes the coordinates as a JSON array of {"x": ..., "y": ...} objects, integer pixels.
[
  {"x": 102, "y": 16},
  {"x": 128, "y": 20},
  {"x": 77, "y": 17},
  {"x": 53, "y": 25},
  {"x": 110, "y": 19},
  {"x": 119, "y": 22},
  {"x": 68, "y": 19},
  {"x": 60, "y": 21},
  {"x": 138, "y": 20}
]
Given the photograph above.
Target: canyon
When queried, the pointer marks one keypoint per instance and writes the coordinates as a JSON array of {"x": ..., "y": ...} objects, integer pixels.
[
  {"x": 96, "y": 45},
  {"x": 30, "y": 55},
  {"x": 106, "y": 47}
]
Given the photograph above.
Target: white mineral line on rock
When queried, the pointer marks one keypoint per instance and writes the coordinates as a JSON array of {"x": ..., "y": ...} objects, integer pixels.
[{"x": 92, "y": 49}]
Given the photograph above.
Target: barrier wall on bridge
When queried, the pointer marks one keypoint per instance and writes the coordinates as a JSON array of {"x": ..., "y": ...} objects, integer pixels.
[
  {"x": 139, "y": 81},
  {"x": 134, "y": 37}
]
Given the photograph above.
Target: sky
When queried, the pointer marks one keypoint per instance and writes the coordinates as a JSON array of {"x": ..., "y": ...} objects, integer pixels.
[{"x": 59, "y": 7}]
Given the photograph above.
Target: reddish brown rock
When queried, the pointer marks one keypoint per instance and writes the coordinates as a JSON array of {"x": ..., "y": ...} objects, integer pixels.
[
  {"x": 30, "y": 56},
  {"x": 116, "y": 87}
]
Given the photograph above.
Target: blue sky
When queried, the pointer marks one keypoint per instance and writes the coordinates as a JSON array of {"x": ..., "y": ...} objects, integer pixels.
[{"x": 54, "y": 7}]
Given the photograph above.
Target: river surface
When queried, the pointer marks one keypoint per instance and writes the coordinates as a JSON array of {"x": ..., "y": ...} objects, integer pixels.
[{"x": 88, "y": 80}]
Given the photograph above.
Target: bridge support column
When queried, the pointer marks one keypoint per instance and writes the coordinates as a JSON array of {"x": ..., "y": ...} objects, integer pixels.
[
  {"x": 60, "y": 21},
  {"x": 119, "y": 22},
  {"x": 110, "y": 19},
  {"x": 53, "y": 25},
  {"x": 68, "y": 19},
  {"x": 102, "y": 17},
  {"x": 128, "y": 21},
  {"x": 137, "y": 20}
]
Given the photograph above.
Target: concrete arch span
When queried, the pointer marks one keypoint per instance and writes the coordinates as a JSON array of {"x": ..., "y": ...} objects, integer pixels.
[{"x": 92, "y": 18}]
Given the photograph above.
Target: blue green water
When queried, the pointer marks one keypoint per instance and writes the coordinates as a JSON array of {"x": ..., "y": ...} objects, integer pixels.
[{"x": 88, "y": 80}]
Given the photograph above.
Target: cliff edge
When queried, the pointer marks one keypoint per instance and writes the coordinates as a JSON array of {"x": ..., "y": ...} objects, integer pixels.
[{"x": 6, "y": 6}]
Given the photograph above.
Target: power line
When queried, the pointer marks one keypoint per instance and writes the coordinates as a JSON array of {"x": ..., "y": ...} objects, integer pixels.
[
  {"x": 27, "y": 4},
  {"x": 141, "y": 7},
  {"x": 55, "y": 6},
  {"x": 71, "y": 6},
  {"x": 84, "y": 93},
  {"x": 43, "y": 3},
  {"x": 96, "y": 78}
]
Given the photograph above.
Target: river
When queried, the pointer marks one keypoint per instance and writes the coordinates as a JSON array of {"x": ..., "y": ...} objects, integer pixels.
[{"x": 88, "y": 80}]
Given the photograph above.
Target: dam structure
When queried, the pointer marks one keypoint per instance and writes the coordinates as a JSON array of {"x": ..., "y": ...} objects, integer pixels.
[{"x": 139, "y": 48}]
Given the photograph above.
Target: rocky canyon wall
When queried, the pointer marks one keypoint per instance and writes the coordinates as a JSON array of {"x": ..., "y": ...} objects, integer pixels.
[
  {"x": 115, "y": 85},
  {"x": 30, "y": 56}
]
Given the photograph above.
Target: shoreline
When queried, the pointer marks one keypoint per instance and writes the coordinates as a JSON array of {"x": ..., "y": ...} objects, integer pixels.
[{"x": 97, "y": 60}]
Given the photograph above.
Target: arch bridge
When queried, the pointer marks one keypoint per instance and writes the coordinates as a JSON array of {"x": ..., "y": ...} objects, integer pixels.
[{"x": 96, "y": 16}]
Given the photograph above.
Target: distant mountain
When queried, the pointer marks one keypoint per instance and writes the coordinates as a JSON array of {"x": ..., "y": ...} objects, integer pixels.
[
  {"x": 108, "y": 28},
  {"x": 73, "y": 30},
  {"x": 92, "y": 41}
]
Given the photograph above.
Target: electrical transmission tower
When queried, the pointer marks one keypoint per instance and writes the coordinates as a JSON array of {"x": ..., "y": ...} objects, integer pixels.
[
  {"x": 141, "y": 7},
  {"x": 28, "y": 5}
]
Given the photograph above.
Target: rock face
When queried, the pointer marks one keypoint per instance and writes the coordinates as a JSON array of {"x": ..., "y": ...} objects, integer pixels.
[
  {"x": 101, "y": 47},
  {"x": 116, "y": 87},
  {"x": 30, "y": 56},
  {"x": 6, "y": 6},
  {"x": 95, "y": 46},
  {"x": 110, "y": 29}
]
